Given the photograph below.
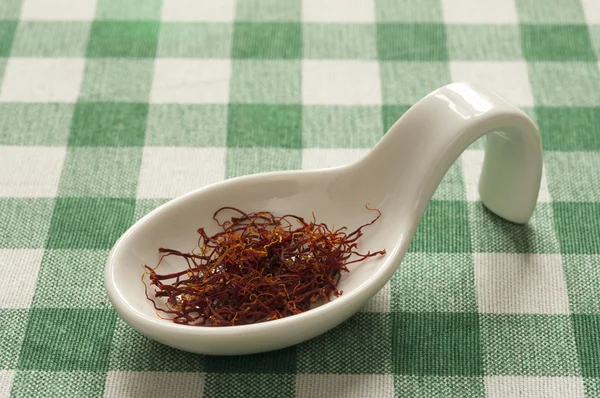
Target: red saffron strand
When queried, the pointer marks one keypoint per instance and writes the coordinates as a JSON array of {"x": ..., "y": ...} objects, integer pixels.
[{"x": 259, "y": 267}]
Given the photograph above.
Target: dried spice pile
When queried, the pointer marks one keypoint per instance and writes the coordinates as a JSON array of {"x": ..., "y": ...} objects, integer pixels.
[{"x": 259, "y": 267}]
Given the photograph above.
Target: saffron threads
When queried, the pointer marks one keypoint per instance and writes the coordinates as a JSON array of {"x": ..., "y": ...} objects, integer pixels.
[{"x": 258, "y": 268}]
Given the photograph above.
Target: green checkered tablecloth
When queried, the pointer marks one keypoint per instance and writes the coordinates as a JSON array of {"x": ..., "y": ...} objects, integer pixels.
[{"x": 109, "y": 108}]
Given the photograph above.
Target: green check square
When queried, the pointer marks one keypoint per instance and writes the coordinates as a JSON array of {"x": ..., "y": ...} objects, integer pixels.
[
  {"x": 117, "y": 80},
  {"x": 586, "y": 328},
  {"x": 429, "y": 343},
  {"x": 266, "y": 82},
  {"x": 89, "y": 223},
  {"x": 190, "y": 125},
  {"x": 452, "y": 186},
  {"x": 3, "y": 62},
  {"x": 64, "y": 339},
  {"x": 194, "y": 40},
  {"x": 29, "y": 221},
  {"x": 244, "y": 161},
  {"x": 429, "y": 282},
  {"x": 71, "y": 279},
  {"x": 581, "y": 78},
  {"x": 274, "y": 362},
  {"x": 128, "y": 9},
  {"x": 411, "y": 42},
  {"x": 123, "y": 39},
  {"x": 492, "y": 234},
  {"x": 51, "y": 39},
  {"x": 254, "y": 125},
  {"x": 528, "y": 345},
  {"x": 100, "y": 172},
  {"x": 439, "y": 386},
  {"x": 249, "y": 385},
  {"x": 592, "y": 386},
  {"x": 131, "y": 351},
  {"x": 582, "y": 275},
  {"x": 391, "y": 114},
  {"x": 573, "y": 176},
  {"x": 339, "y": 41},
  {"x": 328, "y": 126},
  {"x": 268, "y": 10},
  {"x": 267, "y": 40},
  {"x": 359, "y": 345},
  {"x": 484, "y": 42},
  {"x": 444, "y": 228},
  {"x": 108, "y": 124},
  {"x": 568, "y": 129},
  {"x": 32, "y": 383},
  {"x": 35, "y": 124},
  {"x": 557, "y": 43},
  {"x": 10, "y": 9},
  {"x": 595, "y": 38},
  {"x": 7, "y": 33},
  {"x": 577, "y": 227},
  {"x": 552, "y": 11},
  {"x": 404, "y": 83},
  {"x": 408, "y": 10},
  {"x": 13, "y": 323},
  {"x": 529, "y": 111}
]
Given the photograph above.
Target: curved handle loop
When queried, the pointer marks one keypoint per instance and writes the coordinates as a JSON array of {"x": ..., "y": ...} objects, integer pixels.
[{"x": 433, "y": 133}]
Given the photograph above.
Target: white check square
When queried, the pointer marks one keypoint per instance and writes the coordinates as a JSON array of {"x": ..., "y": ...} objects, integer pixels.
[
  {"x": 338, "y": 10},
  {"x": 344, "y": 385},
  {"x": 30, "y": 172},
  {"x": 381, "y": 302},
  {"x": 533, "y": 387},
  {"x": 19, "y": 269},
  {"x": 154, "y": 384},
  {"x": 191, "y": 81},
  {"x": 489, "y": 12},
  {"x": 472, "y": 164},
  {"x": 167, "y": 172},
  {"x": 6, "y": 381},
  {"x": 591, "y": 9},
  {"x": 42, "y": 80},
  {"x": 317, "y": 158},
  {"x": 520, "y": 283},
  {"x": 341, "y": 83},
  {"x": 509, "y": 79},
  {"x": 198, "y": 10},
  {"x": 58, "y": 10}
]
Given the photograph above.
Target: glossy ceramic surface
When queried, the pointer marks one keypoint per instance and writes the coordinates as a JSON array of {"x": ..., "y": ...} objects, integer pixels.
[{"x": 398, "y": 176}]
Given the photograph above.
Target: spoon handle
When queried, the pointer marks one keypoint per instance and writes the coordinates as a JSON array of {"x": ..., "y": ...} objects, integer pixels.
[{"x": 432, "y": 134}]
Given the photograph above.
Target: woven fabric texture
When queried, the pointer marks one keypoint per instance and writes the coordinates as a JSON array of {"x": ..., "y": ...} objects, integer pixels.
[{"x": 109, "y": 108}]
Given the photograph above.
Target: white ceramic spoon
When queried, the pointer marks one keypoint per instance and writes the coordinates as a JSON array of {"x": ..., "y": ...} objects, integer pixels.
[{"x": 398, "y": 176}]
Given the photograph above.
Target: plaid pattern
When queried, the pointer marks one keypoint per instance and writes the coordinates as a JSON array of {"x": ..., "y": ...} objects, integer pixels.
[{"x": 108, "y": 108}]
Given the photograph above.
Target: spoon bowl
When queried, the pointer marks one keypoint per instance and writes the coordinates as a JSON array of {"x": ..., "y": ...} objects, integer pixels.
[{"x": 398, "y": 176}]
